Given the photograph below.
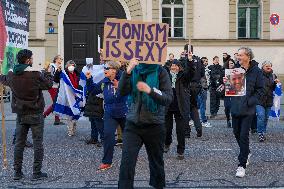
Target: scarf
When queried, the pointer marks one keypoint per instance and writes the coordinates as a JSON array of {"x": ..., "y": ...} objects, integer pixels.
[
  {"x": 174, "y": 79},
  {"x": 149, "y": 74},
  {"x": 20, "y": 68},
  {"x": 74, "y": 80}
]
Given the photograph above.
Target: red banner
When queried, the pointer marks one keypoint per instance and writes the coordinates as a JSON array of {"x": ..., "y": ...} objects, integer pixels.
[{"x": 3, "y": 34}]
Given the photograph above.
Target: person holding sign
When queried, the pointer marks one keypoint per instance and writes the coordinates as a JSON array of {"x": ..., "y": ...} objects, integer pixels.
[
  {"x": 149, "y": 90},
  {"x": 243, "y": 107},
  {"x": 28, "y": 103}
]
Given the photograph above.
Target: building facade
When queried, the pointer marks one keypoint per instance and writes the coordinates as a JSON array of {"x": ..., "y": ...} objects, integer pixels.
[{"x": 71, "y": 27}]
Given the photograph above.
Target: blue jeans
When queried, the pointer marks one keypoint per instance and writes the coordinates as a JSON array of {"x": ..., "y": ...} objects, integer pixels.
[
  {"x": 97, "y": 127},
  {"x": 201, "y": 101},
  {"x": 262, "y": 114},
  {"x": 110, "y": 126}
]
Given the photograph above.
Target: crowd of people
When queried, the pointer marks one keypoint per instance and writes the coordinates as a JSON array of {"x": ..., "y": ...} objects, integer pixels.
[{"x": 141, "y": 101}]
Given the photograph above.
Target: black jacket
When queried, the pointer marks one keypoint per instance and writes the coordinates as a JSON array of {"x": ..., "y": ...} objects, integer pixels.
[
  {"x": 266, "y": 100},
  {"x": 245, "y": 105},
  {"x": 94, "y": 106},
  {"x": 138, "y": 112},
  {"x": 181, "y": 93},
  {"x": 216, "y": 75}
]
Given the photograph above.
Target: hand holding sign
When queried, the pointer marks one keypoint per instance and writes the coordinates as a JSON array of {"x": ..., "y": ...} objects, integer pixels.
[
  {"x": 133, "y": 62},
  {"x": 143, "y": 87}
]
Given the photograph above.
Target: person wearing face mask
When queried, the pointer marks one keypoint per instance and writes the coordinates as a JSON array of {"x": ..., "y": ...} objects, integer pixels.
[
  {"x": 57, "y": 61},
  {"x": 179, "y": 108},
  {"x": 266, "y": 101},
  {"x": 115, "y": 108},
  {"x": 27, "y": 84},
  {"x": 74, "y": 77}
]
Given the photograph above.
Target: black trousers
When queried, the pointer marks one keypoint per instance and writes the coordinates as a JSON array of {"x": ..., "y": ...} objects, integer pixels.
[
  {"x": 23, "y": 124},
  {"x": 194, "y": 114},
  {"x": 214, "y": 102},
  {"x": 134, "y": 136},
  {"x": 241, "y": 126},
  {"x": 180, "y": 123}
]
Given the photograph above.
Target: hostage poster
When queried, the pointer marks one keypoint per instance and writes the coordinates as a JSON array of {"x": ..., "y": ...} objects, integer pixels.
[
  {"x": 125, "y": 39},
  {"x": 235, "y": 84},
  {"x": 14, "y": 31}
]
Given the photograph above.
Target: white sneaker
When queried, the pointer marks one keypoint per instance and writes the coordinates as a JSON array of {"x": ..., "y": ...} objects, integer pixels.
[
  {"x": 241, "y": 172},
  {"x": 248, "y": 159},
  {"x": 206, "y": 124},
  {"x": 190, "y": 123}
]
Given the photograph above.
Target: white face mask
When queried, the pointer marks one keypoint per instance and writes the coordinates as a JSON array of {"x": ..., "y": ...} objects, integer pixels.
[{"x": 71, "y": 68}]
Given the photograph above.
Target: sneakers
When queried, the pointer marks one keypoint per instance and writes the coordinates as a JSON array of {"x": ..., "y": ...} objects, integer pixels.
[
  {"x": 241, "y": 172},
  {"x": 190, "y": 123},
  {"x": 248, "y": 159},
  {"x": 104, "y": 167},
  {"x": 261, "y": 138},
  {"x": 166, "y": 148},
  {"x": 206, "y": 124},
  {"x": 39, "y": 176},
  {"x": 18, "y": 175},
  {"x": 118, "y": 142},
  {"x": 180, "y": 156}
]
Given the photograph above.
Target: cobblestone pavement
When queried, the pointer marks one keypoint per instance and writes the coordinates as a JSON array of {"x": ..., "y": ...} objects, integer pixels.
[{"x": 210, "y": 161}]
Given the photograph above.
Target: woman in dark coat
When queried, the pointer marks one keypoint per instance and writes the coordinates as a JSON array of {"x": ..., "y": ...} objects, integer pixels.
[{"x": 179, "y": 108}]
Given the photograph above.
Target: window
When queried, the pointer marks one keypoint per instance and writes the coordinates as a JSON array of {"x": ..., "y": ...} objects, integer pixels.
[
  {"x": 248, "y": 19},
  {"x": 173, "y": 14}
]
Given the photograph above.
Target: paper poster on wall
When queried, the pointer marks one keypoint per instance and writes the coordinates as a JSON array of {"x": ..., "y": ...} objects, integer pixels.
[
  {"x": 126, "y": 39},
  {"x": 235, "y": 84},
  {"x": 15, "y": 16}
]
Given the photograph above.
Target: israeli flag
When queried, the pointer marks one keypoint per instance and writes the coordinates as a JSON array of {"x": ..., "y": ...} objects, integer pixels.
[
  {"x": 97, "y": 72},
  {"x": 275, "y": 109},
  {"x": 69, "y": 102}
]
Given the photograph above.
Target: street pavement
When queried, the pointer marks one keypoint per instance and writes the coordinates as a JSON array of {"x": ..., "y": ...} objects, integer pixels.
[{"x": 210, "y": 161}]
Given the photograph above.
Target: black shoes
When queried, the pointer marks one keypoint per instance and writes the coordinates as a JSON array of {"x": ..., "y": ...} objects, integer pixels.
[
  {"x": 39, "y": 176},
  {"x": 180, "y": 156},
  {"x": 18, "y": 175},
  {"x": 166, "y": 148},
  {"x": 199, "y": 133},
  {"x": 229, "y": 125},
  {"x": 91, "y": 141}
]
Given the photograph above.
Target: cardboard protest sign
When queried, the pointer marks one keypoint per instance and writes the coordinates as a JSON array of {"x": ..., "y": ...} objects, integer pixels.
[
  {"x": 125, "y": 39},
  {"x": 16, "y": 15},
  {"x": 235, "y": 84}
]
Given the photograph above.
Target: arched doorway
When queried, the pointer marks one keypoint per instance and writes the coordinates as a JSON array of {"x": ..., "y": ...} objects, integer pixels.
[{"x": 83, "y": 22}]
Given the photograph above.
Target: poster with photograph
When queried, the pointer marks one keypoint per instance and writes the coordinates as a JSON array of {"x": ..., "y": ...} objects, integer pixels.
[{"x": 235, "y": 82}]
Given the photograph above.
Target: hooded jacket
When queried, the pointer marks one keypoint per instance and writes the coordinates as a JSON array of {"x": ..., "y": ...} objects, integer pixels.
[
  {"x": 245, "y": 105},
  {"x": 266, "y": 100}
]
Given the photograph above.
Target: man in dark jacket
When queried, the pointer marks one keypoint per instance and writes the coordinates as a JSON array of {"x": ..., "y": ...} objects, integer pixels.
[
  {"x": 197, "y": 71},
  {"x": 243, "y": 107},
  {"x": 149, "y": 90},
  {"x": 216, "y": 79},
  {"x": 28, "y": 103},
  {"x": 266, "y": 102}
]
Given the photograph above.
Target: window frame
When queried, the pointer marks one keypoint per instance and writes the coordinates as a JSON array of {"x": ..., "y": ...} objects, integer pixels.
[
  {"x": 172, "y": 7},
  {"x": 247, "y": 8}
]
